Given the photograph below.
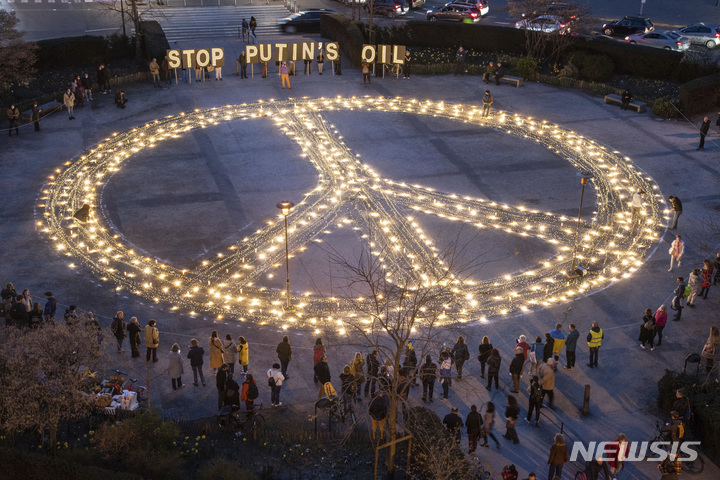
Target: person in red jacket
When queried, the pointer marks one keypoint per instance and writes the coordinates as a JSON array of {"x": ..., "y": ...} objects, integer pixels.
[{"x": 618, "y": 451}]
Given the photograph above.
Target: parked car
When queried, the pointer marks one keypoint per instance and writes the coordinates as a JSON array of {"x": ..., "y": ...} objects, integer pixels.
[
  {"x": 545, "y": 23},
  {"x": 391, "y": 8},
  {"x": 701, "y": 34},
  {"x": 569, "y": 12},
  {"x": 666, "y": 40},
  {"x": 483, "y": 6},
  {"x": 454, "y": 13},
  {"x": 305, "y": 21},
  {"x": 628, "y": 26}
]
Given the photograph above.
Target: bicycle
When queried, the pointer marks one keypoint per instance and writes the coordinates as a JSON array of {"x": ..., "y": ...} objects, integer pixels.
[
  {"x": 119, "y": 384},
  {"x": 254, "y": 425},
  {"x": 693, "y": 467},
  {"x": 391, "y": 69}
]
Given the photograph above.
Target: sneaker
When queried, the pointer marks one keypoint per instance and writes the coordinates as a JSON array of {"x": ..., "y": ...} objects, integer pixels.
[
  {"x": 589, "y": 365},
  {"x": 537, "y": 424},
  {"x": 652, "y": 348},
  {"x": 642, "y": 346},
  {"x": 279, "y": 404},
  {"x": 567, "y": 368},
  {"x": 273, "y": 404},
  {"x": 486, "y": 445},
  {"x": 196, "y": 384},
  {"x": 669, "y": 269}
]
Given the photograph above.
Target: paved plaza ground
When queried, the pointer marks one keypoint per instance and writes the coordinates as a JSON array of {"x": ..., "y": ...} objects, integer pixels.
[{"x": 186, "y": 198}]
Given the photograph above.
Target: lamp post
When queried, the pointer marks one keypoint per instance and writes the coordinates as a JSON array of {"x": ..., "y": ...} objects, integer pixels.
[
  {"x": 573, "y": 272},
  {"x": 285, "y": 209}
]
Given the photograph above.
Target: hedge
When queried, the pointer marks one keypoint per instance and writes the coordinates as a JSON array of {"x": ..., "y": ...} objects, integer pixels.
[
  {"x": 700, "y": 95},
  {"x": 88, "y": 49},
  {"x": 345, "y": 31},
  {"x": 705, "y": 400}
]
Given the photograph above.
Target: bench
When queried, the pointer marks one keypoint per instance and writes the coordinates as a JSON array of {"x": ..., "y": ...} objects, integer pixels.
[
  {"x": 47, "y": 109},
  {"x": 516, "y": 80},
  {"x": 617, "y": 99}
]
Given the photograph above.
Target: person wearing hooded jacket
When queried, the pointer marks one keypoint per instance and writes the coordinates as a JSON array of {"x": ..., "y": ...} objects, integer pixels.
[
  {"x": 493, "y": 368},
  {"x": 558, "y": 341},
  {"x": 546, "y": 373},
  {"x": 460, "y": 353},
  {"x": 516, "y": 367},
  {"x": 428, "y": 374}
]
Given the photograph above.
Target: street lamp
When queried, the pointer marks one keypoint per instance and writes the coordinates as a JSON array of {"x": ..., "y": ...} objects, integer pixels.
[
  {"x": 285, "y": 209},
  {"x": 579, "y": 272}
]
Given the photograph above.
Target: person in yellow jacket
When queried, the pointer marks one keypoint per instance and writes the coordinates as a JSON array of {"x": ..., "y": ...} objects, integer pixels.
[
  {"x": 243, "y": 354},
  {"x": 594, "y": 340},
  {"x": 152, "y": 340},
  {"x": 558, "y": 341}
]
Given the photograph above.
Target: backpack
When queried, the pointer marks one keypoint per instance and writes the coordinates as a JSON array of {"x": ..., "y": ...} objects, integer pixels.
[
  {"x": 648, "y": 325},
  {"x": 365, "y": 70},
  {"x": 252, "y": 392},
  {"x": 686, "y": 292},
  {"x": 271, "y": 381},
  {"x": 536, "y": 392}
]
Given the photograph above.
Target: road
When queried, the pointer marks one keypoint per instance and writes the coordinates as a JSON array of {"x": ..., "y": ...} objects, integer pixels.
[{"x": 50, "y": 18}]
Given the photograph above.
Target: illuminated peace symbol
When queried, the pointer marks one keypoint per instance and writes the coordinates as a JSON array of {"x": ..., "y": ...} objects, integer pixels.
[{"x": 350, "y": 194}]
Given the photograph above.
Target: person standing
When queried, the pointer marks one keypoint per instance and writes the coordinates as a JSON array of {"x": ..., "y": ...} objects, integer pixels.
[
  {"x": 175, "y": 367},
  {"x": 660, "y": 322},
  {"x": 706, "y": 275},
  {"x": 460, "y": 353},
  {"x": 410, "y": 363},
  {"x": 618, "y": 450},
  {"x": 133, "y": 330},
  {"x": 695, "y": 284},
  {"x": 454, "y": 424},
  {"x": 243, "y": 354},
  {"x": 473, "y": 423},
  {"x": 546, "y": 374},
  {"x": 356, "y": 368},
  {"x": 511, "y": 415},
  {"x": 571, "y": 346},
  {"x": 284, "y": 353},
  {"x": 220, "y": 381},
  {"x": 548, "y": 348},
  {"x": 522, "y": 343},
  {"x": 322, "y": 372},
  {"x": 216, "y": 352},
  {"x": 284, "y": 77},
  {"x": 49, "y": 309},
  {"x": 230, "y": 352},
  {"x": 275, "y": 379},
  {"x": 195, "y": 354},
  {"x": 13, "y": 115},
  {"x": 87, "y": 87},
  {"x": 558, "y": 341},
  {"x": 676, "y": 207},
  {"x": 558, "y": 457},
  {"x": 704, "y": 129},
  {"x": 535, "y": 400},
  {"x": 155, "y": 72},
  {"x": 243, "y": 65},
  {"x": 69, "y": 102},
  {"x": 152, "y": 340},
  {"x": 710, "y": 349},
  {"x": 625, "y": 100},
  {"x": 36, "y": 113},
  {"x": 165, "y": 71},
  {"x": 232, "y": 391},
  {"x": 445, "y": 372},
  {"x": 647, "y": 330},
  {"x": 320, "y": 59},
  {"x": 678, "y": 299},
  {"x": 487, "y": 101},
  {"x": 484, "y": 350},
  {"x": 118, "y": 327},
  {"x": 366, "y": 72},
  {"x": 249, "y": 393},
  {"x": 460, "y": 61},
  {"x": 677, "y": 248},
  {"x": 79, "y": 92},
  {"x": 516, "y": 367},
  {"x": 347, "y": 390},
  {"x": 407, "y": 64},
  {"x": 373, "y": 368},
  {"x": 428, "y": 375},
  {"x": 489, "y": 424},
  {"x": 318, "y": 352},
  {"x": 637, "y": 205},
  {"x": 245, "y": 30},
  {"x": 535, "y": 350},
  {"x": 493, "y": 368},
  {"x": 378, "y": 410},
  {"x": 594, "y": 340}
]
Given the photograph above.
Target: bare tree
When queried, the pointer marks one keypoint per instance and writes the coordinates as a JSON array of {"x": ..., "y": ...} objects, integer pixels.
[
  {"x": 43, "y": 375},
  {"x": 540, "y": 42},
  {"x": 390, "y": 314},
  {"x": 17, "y": 56},
  {"x": 129, "y": 8}
]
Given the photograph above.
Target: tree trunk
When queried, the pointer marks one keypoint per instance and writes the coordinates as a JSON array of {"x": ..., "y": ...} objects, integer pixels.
[
  {"x": 138, "y": 34},
  {"x": 392, "y": 434}
]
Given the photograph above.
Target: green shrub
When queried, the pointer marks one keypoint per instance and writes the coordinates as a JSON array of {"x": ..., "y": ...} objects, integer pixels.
[
  {"x": 704, "y": 399},
  {"x": 144, "y": 432},
  {"x": 700, "y": 95},
  {"x": 348, "y": 33},
  {"x": 527, "y": 67},
  {"x": 222, "y": 469},
  {"x": 666, "y": 107},
  {"x": 600, "y": 89},
  {"x": 569, "y": 71},
  {"x": 591, "y": 66}
]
